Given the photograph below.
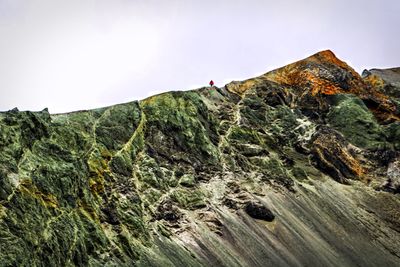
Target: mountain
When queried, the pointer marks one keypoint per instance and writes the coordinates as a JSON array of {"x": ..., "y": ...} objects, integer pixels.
[{"x": 297, "y": 167}]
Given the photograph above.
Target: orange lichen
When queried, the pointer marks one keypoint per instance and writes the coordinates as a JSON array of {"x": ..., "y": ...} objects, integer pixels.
[
  {"x": 305, "y": 76},
  {"x": 327, "y": 56},
  {"x": 308, "y": 78},
  {"x": 354, "y": 164},
  {"x": 301, "y": 75}
]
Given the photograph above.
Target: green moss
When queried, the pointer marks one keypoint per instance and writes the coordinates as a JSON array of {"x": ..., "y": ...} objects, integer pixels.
[
  {"x": 392, "y": 131},
  {"x": 70, "y": 138},
  {"x": 254, "y": 110},
  {"x": 151, "y": 196},
  {"x": 189, "y": 198},
  {"x": 116, "y": 126},
  {"x": 246, "y": 135},
  {"x": 352, "y": 118},
  {"x": 32, "y": 126},
  {"x": 281, "y": 122},
  {"x": 273, "y": 170},
  {"x": 150, "y": 173},
  {"x": 163, "y": 230},
  {"x": 180, "y": 124},
  {"x": 126, "y": 245},
  {"x": 122, "y": 164},
  {"x": 188, "y": 180}
]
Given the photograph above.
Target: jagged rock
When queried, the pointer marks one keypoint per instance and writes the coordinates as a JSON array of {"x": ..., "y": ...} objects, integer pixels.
[
  {"x": 110, "y": 215},
  {"x": 212, "y": 222},
  {"x": 230, "y": 203},
  {"x": 385, "y": 80},
  {"x": 332, "y": 155},
  {"x": 189, "y": 199},
  {"x": 393, "y": 177},
  {"x": 167, "y": 211}
]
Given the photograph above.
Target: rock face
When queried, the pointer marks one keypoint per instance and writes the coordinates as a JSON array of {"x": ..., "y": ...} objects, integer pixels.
[{"x": 297, "y": 167}]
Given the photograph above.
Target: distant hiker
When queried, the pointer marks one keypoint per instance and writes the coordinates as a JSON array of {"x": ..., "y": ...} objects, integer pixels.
[{"x": 211, "y": 83}]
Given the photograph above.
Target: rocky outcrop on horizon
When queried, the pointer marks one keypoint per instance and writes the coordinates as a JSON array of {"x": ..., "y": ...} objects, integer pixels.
[{"x": 297, "y": 167}]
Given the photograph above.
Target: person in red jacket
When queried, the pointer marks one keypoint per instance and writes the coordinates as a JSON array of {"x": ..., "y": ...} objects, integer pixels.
[{"x": 211, "y": 83}]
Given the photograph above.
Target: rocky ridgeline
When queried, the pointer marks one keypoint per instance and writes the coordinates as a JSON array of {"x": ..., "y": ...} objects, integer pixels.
[{"x": 297, "y": 167}]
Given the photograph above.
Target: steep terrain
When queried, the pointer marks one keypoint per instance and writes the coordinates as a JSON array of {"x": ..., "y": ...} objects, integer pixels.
[{"x": 297, "y": 167}]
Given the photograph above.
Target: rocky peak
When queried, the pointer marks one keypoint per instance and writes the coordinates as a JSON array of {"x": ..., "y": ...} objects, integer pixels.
[{"x": 323, "y": 74}]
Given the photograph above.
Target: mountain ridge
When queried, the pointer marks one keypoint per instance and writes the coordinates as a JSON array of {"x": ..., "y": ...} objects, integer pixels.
[{"x": 299, "y": 166}]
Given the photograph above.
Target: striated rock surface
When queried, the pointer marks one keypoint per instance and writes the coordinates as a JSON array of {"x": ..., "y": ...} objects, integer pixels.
[{"x": 297, "y": 167}]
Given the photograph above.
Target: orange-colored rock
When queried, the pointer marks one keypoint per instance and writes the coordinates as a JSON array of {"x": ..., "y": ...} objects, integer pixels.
[
  {"x": 324, "y": 74},
  {"x": 319, "y": 74},
  {"x": 332, "y": 154}
]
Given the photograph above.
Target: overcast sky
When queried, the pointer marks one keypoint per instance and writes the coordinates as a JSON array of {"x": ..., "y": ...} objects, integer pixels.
[{"x": 82, "y": 54}]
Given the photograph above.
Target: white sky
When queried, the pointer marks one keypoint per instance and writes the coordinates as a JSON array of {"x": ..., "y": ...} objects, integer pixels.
[{"x": 82, "y": 54}]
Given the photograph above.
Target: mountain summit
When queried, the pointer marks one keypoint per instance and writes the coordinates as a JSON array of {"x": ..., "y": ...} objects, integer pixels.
[{"x": 297, "y": 167}]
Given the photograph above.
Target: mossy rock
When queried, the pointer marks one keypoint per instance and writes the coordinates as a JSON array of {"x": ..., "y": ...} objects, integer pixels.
[
  {"x": 350, "y": 116},
  {"x": 244, "y": 135},
  {"x": 180, "y": 124},
  {"x": 187, "y": 180},
  {"x": 189, "y": 198},
  {"x": 254, "y": 111},
  {"x": 273, "y": 170},
  {"x": 116, "y": 126},
  {"x": 392, "y": 132},
  {"x": 122, "y": 165},
  {"x": 150, "y": 173},
  {"x": 32, "y": 126},
  {"x": 282, "y": 122}
]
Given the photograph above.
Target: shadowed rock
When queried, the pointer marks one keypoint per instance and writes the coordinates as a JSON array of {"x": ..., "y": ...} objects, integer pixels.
[{"x": 259, "y": 211}]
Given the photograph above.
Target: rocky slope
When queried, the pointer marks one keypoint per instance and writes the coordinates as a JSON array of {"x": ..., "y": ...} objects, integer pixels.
[{"x": 297, "y": 167}]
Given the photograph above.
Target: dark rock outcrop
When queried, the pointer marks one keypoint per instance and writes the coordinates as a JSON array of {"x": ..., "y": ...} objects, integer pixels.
[{"x": 259, "y": 211}]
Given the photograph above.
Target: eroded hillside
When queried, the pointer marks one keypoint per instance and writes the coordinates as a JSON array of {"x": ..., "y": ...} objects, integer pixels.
[{"x": 297, "y": 167}]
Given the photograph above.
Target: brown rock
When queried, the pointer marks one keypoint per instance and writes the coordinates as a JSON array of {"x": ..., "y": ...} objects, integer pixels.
[{"x": 332, "y": 155}]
